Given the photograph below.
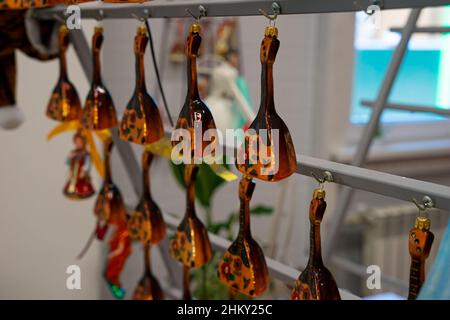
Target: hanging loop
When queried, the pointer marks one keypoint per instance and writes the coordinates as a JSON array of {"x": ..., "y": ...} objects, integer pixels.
[
  {"x": 427, "y": 203},
  {"x": 272, "y": 17},
  {"x": 58, "y": 18},
  {"x": 370, "y": 9},
  {"x": 142, "y": 17},
  {"x": 327, "y": 177},
  {"x": 100, "y": 16},
  {"x": 201, "y": 10}
]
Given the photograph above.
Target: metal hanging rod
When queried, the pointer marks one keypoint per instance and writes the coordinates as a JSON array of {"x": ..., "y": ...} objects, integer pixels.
[
  {"x": 222, "y": 8},
  {"x": 425, "y": 29},
  {"x": 411, "y": 108},
  {"x": 377, "y": 182}
]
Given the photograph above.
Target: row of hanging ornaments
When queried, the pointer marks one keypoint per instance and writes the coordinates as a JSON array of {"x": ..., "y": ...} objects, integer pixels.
[{"x": 243, "y": 266}]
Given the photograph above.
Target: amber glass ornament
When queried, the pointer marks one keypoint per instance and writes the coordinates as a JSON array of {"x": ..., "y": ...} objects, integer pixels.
[
  {"x": 316, "y": 282},
  {"x": 420, "y": 241},
  {"x": 191, "y": 244},
  {"x": 64, "y": 104},
  {"x": 269, "y": 165},
  {"x": 125, "y": 1},
  {"x": 243, "y": 267},
  {"x": 26, "y": 4},
  {"x": 79, "y": 184},
  {"x": 141, "y": 122},
  {"x": 99, "y": 112},
  {"x": 148, "y": 287},
  {"x": 109, "y": 206},
  {"x": 146, "y": 223},
  {"x": 195, "y": 115}
]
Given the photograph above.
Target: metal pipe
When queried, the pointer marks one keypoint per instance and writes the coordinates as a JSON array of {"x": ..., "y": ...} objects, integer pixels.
[
  {"x": 222, "y": 8},
  {"x": 425, "y": 30},
  {"x": 411, "y": 108}
]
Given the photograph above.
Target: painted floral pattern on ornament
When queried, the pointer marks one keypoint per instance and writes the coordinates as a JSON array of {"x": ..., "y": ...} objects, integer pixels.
[
  {"x": 301, "y": 291},
  {"x": 234, "y": 272},
  {"x": 133, "y": 127},
  {"x": 190, "y": 244}
]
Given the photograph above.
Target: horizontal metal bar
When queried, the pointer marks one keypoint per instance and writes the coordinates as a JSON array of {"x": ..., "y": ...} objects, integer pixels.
[
  {"x": 222, "y": 8},
  {"x": 277, "y": 270},
  {"x": 377, "y": 182},
  {"x": 411, "y": 108},
  {"x": 360, "y": 270},
  {"x": 424, "y": 29}
]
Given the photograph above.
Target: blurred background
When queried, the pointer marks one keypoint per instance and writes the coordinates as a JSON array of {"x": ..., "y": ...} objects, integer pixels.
[{"x": 325, "y": 66}]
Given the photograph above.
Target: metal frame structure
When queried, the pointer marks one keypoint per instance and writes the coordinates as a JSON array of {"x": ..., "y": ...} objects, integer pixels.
[{"x": 350, "y": 176}]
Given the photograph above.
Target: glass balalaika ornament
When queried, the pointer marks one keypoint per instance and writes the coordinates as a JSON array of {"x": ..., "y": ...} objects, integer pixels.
[
  {"x": 243, "y": 267},
  {"x": 146, "y": 223},
  {"x": 79, "y": 184},
  {"x": 141, "y": 122},
  {"x": 420, "y": 242},
  {"x": 148, "y": 287},
  {"x": 195, "y": 116},
  {"x": 110, "y": 210},
  {"x": 316, "y": 282},
  {"x": 147, "y": 226},
  {"x": 99, "y": 112},
  {"x": 268, "y": 148},
  {"x": 191, "y": 245},
  {"x": 64, "y": 104},
  {"x": 267, "y": 154}
]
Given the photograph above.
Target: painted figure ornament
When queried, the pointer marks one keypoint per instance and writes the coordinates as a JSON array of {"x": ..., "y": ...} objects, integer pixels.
[{"x": 79, "y": 184}]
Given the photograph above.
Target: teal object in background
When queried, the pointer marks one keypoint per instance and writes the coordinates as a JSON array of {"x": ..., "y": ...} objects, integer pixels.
[
  {"x": 240, "y": 119},
  {"x": 437, "y": 283},
  {"x": 417, "y": 83}
]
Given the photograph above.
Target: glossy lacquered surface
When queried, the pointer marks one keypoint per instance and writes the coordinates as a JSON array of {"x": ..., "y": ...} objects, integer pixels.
[
  {"x": 243, "y": 267},
  {"x": 272, "y": 135},
  {"x": 141, "y": 121},
  {"x": 64, "y": 103},
  {"x": 316, "y": 282},
  {"x": 420, "y": 242},
  {"x": 99, "y": 112}
]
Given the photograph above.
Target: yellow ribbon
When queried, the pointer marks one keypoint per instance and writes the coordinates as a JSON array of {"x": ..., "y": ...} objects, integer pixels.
[
  {"x": 103, "y": 135},
  {"x": 163, "y": 148}
]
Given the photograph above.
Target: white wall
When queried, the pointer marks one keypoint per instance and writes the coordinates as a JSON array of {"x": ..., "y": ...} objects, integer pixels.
[{"x": 41, "y": 232}]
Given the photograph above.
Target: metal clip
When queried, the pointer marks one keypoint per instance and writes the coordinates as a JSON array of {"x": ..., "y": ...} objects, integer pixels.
[
  {"x": 272, "y": 17},
  {"x": 143, "y": 17},
  {"x": 201, "y": 10},
  {"x": 327, "y": 177},
  {"x": 100, "y": 17},
  {"x": 427, "y": 203}
]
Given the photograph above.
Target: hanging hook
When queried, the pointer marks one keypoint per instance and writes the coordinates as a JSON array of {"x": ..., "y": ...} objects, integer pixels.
[
  {"x": 327, "y": 177},
  {"x": 58, "y": 18},
  {"x": 145, "y": 14},
  {"x": 370, "y": 9},
  {"x": 201, "y": 10},
  {"x": 100, "y": 17},
  {"x": 272, "y": 17},
  {"x": 427, "y": 203}
]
